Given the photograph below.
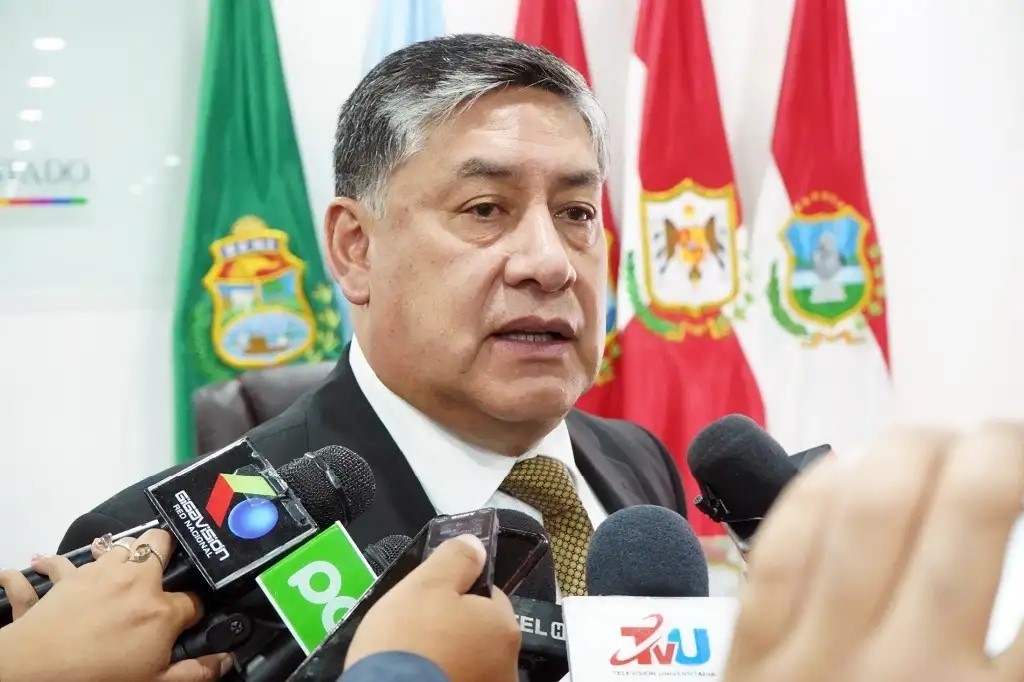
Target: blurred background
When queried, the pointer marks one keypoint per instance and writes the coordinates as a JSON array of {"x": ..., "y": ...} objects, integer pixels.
[{"x": 99, "y": 102}]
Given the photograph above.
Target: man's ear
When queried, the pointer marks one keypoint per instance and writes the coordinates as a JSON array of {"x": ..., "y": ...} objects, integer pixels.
[{"x": 347, "y": 246}]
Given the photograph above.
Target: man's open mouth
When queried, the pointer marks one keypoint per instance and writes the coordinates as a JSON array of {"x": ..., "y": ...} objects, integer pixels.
[
  {"x": 533, "y": 337},
  {"x": 536, "y": 330}
]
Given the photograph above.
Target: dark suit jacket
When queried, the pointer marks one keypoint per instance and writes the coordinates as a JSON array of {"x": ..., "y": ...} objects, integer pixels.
[{"x": 624, "y": 464}]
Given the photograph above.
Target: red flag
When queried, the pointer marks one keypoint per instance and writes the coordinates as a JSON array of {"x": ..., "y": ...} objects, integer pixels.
[
  {"x": 684, "y": 250},
  {"x": 555, "y": 25},
  {"x": 817, "y": 131},
  {"x": 821, "y": 354}
]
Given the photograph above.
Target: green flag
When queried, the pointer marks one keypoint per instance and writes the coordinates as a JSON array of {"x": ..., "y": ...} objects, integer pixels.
[{"x": 252, "y": 290}]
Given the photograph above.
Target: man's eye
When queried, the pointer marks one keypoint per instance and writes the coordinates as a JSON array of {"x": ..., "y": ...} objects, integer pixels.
[
  {"x": 579, "y": 214},
  {"x": 485, "y": 210}
]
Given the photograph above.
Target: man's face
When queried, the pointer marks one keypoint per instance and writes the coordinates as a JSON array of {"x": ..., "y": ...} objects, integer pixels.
[{"x": 486, "y": 274}]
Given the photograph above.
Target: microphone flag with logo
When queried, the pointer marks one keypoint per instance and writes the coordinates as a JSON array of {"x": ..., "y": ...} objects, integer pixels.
[
  {"x": 648, "y": 614},
  {"x": 233, "y": 512},
  {"x": 315, "y": 586}
]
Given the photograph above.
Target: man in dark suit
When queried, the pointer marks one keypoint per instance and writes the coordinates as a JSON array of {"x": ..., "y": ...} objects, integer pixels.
[{"x": 467, "y": 236}]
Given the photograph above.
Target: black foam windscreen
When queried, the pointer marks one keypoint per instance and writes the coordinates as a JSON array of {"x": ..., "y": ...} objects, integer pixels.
[
  {"x": 385, "y": 551},
  {"x": 334, "y": 484},
  {"x": 646, "y": 551},
  {"x": 512, "y": 518},
  {"x": 741, "y": 465}
]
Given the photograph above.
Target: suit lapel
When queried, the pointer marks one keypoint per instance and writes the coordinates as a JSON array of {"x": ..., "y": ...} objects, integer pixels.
[
  {"x": 341, "y": 414},
  {"x": 614, "y": 482}
]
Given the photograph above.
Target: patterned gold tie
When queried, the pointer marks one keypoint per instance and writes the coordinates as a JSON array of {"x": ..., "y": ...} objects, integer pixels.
[{"x": 546, "y": 485}]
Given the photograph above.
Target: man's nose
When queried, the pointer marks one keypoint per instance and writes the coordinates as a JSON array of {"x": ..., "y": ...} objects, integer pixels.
[{"x": 539, "y": 254}]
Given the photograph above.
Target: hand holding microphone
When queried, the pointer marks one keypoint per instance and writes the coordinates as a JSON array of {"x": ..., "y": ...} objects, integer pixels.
[
  {"x": 331, "y": 484},
  {"x": 886, "y": 567},
  {"x": 471, "y": 638},
  {"x": 108, "y": 620}
]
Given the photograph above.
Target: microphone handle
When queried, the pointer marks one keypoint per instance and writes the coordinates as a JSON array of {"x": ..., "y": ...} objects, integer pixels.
[
  {"x": 78, "y": 557},
  {"x": 278, "y": 660},
  {"x": 542, "y": 656}
]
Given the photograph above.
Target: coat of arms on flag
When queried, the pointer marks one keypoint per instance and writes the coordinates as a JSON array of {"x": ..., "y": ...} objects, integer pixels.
[
  {"x": 260, "y": 313},
  {"x": 830, "y": 280},
  {"x": 692, "y": 255}
]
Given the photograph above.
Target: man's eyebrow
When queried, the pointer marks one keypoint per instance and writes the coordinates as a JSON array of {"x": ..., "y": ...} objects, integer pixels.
[
  {"x": 481, "y": 168},
  {"x": 580, "y": 178}
]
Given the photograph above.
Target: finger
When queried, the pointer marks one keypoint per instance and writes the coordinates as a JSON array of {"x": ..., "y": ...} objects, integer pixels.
[
  {"x": 785, "y": 552},
  {"x": 456, "y": 563},
  {"x": 186, "y": 609},
  {"x": 876, "y": 516},
  {"x": 503, "y": 603},
  {"x": 951, "y": 580},
  {"x": 55, "y": 567},
  {"x": 203, "y": 669},
  {"x": 512, "y": 636},
  {"x": 113, "y": 552},
  {"x": 161, "y": 543},
  {"x": 19, "y": 590}
]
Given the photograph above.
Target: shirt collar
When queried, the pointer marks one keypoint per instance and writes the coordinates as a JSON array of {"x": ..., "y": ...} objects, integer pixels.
[{"x": 456, "y": 476}]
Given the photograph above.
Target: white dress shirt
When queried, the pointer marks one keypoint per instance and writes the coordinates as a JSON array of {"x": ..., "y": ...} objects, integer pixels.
[{"x": 457, "y": 476}]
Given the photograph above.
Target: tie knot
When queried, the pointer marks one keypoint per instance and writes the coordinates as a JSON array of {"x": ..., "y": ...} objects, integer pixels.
[{"x": 544, "y": 484}]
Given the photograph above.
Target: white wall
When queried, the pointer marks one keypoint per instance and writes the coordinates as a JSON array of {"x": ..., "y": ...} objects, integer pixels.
[
  {"x": 86, "y": 293},
  {"x": 84, "y": 342}
]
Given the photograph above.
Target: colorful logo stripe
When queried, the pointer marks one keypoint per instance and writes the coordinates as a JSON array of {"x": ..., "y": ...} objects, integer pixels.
[
  {"x": 229, "y": 485},
  {"x": 43, "y": 201}
]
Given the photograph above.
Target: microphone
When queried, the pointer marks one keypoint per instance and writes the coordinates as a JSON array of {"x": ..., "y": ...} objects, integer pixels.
[
  {"x": 806, "y": 458},
  {"x": 335, "y": 485},
  {"x": 314, "y": 587},
  {"x": 740, "y": 471},
  {"x": 381, "y": 554},
  {"x": 228, "y": 543},
  {"x": 649, "y": 614},
  {"x": 78, "y": 558},
  {"x": 517, "y": 548},
  {"x": 646, "y": 551},
  {"x": 278, "y": 657},
  {"x": 542, "y": 656}
]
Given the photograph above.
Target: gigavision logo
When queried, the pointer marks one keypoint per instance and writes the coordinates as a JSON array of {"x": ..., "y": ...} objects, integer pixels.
[
  {"x": 198, "y": 527},
  {"x": 250, "y": 519}
]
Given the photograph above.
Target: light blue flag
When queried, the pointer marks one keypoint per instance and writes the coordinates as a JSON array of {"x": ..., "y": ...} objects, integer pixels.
[{"x": 396, "y": 23}]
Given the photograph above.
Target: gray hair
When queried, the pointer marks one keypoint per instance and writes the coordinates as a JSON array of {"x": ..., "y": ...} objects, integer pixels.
[{"x": 387, "y": 117}]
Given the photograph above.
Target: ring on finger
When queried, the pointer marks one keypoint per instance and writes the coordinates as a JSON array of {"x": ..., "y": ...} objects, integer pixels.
[
  {"x": 142, "y": 552},
  {"x": 103, "y": 543}
]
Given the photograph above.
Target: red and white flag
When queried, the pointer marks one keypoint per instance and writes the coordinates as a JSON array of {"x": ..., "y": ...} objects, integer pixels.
[
  {"x": 817, "y": 337},
  {"x": 684, "y": 267},
  {"x": 555, "y": 25}
]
